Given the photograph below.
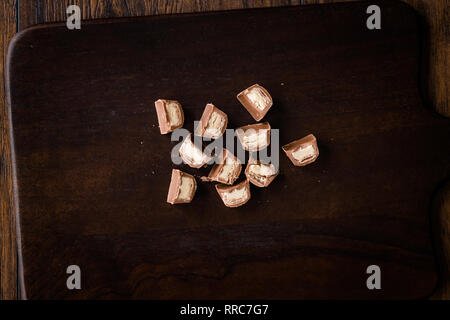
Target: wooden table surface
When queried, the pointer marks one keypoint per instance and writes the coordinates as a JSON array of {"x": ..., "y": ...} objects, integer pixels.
[{"x": 15, "y": 15}]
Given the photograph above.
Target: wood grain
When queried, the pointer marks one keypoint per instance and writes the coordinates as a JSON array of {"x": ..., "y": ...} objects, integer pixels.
[
  {"x": 83, "y": 202},
  {"x": 435, "y": 17},
  {"x": 8, "y": 278},
  {"x": 441, "y": 234},
  {"x": 435, "y": 75},
  {"x": 33, "y": 12}
]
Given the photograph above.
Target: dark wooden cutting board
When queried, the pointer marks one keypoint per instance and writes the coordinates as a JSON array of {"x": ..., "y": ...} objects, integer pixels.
[{"x": 92, "y": 170}]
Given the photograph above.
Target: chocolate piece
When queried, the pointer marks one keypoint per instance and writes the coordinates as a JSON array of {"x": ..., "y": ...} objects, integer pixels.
[
  {"x": 234, "y": 196},
  {"x": 227, "y": 170},
  {"x": 254, "y": 137},
  {"x": 259, "y": 173},
  {"x": 170, "y": 115},
  {"x": 303, "y": 151},
  {"x": 256, "y": 100},
  {"x": 213, "y": 122},
  {"x": 182, "y": 187},
  {"x": 191, "y": 154}
]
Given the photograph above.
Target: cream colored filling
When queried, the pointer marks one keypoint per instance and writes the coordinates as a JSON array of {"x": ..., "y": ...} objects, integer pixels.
[
  {"x": 255, "y": 140},
  {"x": 261, "y": 171},
  {"x": 189, "y": 152},
  {"x": 236, "y": 195},
  {"x": 228, "y": 170},
  {"x": 258, "y": 98},
  {"x": 173, "y": 113},
  {"x": 186, "y": 187},
  {"x": 215, "y": 126},
  {"x": 302, "y": 154}
]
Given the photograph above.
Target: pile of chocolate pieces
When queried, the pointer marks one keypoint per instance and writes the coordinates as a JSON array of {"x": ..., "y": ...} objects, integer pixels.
[{"x": 227, "y": 167}]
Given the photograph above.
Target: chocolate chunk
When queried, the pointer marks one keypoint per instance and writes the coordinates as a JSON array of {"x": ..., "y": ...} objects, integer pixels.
[
  {"x": 256, "y": 100},
  {"x": 170, "y": 115},
  {"x": 182, "y": 187},
  {"x": 213, "y": 123},
  {"x": 259, "y": 173},
  {"x": 234, "y": 196},
  {"x": 254, "y": 137},
  {"x": 192, "y": 155},
  {"x": 227, "y": 168},
  {"x": 303, "y": 151}
]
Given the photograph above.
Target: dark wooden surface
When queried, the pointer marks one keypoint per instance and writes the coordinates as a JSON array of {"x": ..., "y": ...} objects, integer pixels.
[
  {"x": 93, "y": 169},
  {"x": 434, "y": 76}
]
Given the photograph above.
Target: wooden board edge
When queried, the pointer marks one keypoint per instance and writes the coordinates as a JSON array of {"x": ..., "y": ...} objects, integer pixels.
[
  {"x": 442, "y": 217},
  {"x": 8, "y": 255},
  {"x": 440, "y": 225}
]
